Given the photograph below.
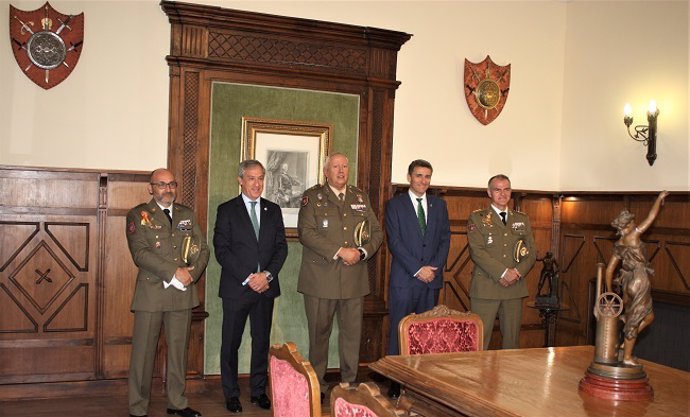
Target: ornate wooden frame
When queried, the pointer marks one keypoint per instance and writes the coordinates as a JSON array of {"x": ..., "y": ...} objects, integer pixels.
[{"x": 215, "y": 44}]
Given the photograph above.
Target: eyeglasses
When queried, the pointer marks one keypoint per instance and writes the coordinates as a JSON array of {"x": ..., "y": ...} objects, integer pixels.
[{"x": 162, "y": 185}]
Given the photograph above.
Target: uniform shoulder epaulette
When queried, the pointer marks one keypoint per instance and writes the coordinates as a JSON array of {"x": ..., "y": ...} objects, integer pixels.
[
  {"x": 182, "y": 206},
  {"x": 314, "y": 187},
  {"x": 354, "y": 188},
  {"x": 141, "y": 206},
  {"x": 478, "y": 210},
  {"x": 519, "y": 212}
]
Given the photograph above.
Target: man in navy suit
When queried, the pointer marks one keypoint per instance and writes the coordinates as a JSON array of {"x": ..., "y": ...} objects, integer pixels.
[
  {"x": 250, "y": 245},
  {"x": 418, "y": 233}
]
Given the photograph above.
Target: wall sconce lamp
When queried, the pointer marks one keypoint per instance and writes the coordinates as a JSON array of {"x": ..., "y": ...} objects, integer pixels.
[{"x": 644, "y": 134}]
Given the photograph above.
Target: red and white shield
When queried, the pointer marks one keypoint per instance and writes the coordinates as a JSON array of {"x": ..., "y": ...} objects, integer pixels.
[
  {"x": 486, "y": 89},
  {"x": 46, "y": 43}
]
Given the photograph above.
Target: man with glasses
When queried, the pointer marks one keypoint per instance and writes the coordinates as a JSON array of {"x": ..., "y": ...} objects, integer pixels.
[{"x": 171, "y": 253}]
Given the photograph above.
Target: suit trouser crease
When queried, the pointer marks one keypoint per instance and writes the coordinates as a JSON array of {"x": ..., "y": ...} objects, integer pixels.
[
  {"x": 259, "y": 310},
  {"x": 509, "y": 315},
  {"x": 404, "y": 301},
  {"x": 320, "y": 312},
  {"x": 147, "y": 326}
]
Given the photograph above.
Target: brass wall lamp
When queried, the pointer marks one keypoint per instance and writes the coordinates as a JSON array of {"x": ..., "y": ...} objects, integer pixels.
[{"x": 644, "y": 134}]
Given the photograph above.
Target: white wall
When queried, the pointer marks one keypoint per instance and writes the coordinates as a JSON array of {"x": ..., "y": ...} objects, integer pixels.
[
  {"x": 562, "y": 128},
  {"x": 618, "y": 52}
]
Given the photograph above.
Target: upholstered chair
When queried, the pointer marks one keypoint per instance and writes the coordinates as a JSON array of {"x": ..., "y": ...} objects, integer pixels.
[
  {"x": 440, "y": 330},
  {"x": 363, "y": 400},
  {"x": 294, "y": 385}
]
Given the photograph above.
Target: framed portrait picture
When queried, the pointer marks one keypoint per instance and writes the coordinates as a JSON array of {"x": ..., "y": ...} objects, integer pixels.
[{"x": 293, "y": 153}]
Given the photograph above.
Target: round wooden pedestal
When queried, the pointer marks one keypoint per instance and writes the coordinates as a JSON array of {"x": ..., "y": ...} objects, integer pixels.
[{"x": 616, "y": 389}]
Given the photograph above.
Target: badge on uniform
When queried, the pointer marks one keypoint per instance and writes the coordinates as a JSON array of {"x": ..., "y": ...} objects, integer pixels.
[
  {"x": 184, "y": 225},
  {"x": 520, "y": 251},
  {"x": 131, "y": 228},
  {"x": 305, "y": 201},
  {"x": 324, "y": 223},
  {"x": 486, "y": 220},
  {"x": 146, "y": 220}
]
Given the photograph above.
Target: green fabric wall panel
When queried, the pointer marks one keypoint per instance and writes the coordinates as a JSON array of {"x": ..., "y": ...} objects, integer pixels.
[{"x": 229, "y": 103}]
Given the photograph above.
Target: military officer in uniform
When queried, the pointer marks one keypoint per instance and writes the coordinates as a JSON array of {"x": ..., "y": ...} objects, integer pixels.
[
  {"x": 339, "y": 231},
  {"x": 171, "y": 253},
  {"x": 502, "y": 249}
]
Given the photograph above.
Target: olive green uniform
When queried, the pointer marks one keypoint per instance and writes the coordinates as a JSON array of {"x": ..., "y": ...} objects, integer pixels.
[
  {"x": 329, "y": 286},
  {"x": 156, "y": 248},
  {"x": 492, "y": 249}
]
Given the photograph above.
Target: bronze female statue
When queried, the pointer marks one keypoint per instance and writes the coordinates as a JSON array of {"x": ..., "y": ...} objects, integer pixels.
[{"x": 633, "y": 276}]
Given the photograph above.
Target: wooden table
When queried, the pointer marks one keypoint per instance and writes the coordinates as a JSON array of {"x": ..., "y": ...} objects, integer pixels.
[{"x": 523, "y": 382}]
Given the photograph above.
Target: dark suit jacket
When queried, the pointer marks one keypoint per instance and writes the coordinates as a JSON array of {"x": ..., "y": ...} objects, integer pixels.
[
  {"x": 238, "y": 251},
  {"x": 410, "y": 249}
]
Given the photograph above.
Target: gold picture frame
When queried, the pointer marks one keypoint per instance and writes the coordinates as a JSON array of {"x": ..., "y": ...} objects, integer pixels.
[{"x": 293, "y": 153}]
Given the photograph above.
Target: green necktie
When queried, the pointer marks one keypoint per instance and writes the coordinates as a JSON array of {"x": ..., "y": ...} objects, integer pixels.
[
  {"x": 421, "y": 218},
  {"x": 255, "y": 221}
]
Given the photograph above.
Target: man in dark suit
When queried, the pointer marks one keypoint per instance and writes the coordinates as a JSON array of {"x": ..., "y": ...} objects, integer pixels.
[
  {"x": 167, "y": 245},
  {"x": 333, "y": 276},
  {"x": 418, "y": 233},
  {"x": 250, "y": 246},
  {"x": 503, "y": 251}
]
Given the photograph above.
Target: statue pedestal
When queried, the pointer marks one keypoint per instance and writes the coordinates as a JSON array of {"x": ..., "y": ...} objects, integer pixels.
[
  {"x": 548, "y": 314},
  {"x": 622, "y": 383}
]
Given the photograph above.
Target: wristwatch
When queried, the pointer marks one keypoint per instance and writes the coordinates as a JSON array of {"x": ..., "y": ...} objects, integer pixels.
[
  {"x": 269, "y": 276},
  {"x": 362, "y": 254}
]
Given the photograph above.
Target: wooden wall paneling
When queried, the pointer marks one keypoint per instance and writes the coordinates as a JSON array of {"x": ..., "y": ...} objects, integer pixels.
[
  {"x": 48, "y": 275},
  {"x": 122, "y": 193},
  {"x": 587, "y": 238}
]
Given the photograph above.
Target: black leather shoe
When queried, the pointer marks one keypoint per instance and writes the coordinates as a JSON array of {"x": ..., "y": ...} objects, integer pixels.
[
  {"x": 233, "y": 405},
  {"x": 187, "y": 412},
  {"x": 262, "y": 401},
  {"x": 394, "y": 390}
]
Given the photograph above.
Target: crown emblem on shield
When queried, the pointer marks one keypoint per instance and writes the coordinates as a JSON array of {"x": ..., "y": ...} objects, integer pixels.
[
  {"x": 486, "y": 89},
  {"x": 46, "y": 43}
]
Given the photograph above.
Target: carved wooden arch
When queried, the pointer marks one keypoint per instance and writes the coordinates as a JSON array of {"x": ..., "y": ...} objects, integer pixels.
[{"x": 210, "y": 43}]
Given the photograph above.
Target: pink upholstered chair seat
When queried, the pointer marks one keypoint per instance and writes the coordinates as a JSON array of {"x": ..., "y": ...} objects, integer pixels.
[
  {"x": 290, "y": 390},
  {"x": 343, "y": 408},
  {"x": 443, "y": 335}
]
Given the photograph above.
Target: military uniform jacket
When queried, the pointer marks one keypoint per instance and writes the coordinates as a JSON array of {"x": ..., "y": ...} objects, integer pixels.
[
  {"x": 156, "y": 249},
  {"x": 492, "y": 248},
  {"x": 325, "y": 226}
]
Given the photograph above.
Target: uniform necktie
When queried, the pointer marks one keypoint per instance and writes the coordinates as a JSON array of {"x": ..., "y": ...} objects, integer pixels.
[
  {"x": 341, "y": 197},
  {"x": 167, "y": 214},
  {"x": 503, "y": 216},
  {"x": 255, "y": 220},
  {"x": 421, "y": 218}
]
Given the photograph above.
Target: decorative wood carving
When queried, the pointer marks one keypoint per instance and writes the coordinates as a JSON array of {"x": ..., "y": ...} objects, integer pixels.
[{"x": 211, "y": 43}]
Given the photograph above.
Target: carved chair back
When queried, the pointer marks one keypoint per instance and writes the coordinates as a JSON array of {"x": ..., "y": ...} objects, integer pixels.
[
  {"x": 294, "y": 385},
  {"x": 440, "y": 330},
  {"x": 363, "y": 400}
]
